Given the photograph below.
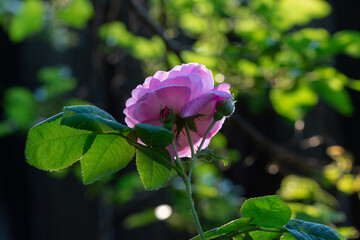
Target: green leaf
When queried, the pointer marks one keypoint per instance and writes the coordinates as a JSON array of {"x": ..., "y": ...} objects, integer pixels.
[
  {"x": 265, "y": 235},
  {"x": 287, "y": 236},
  {"x": 269, "y": 211},
  {"x": 293, "y": 104},
  {"x": 51, "y": 146},
  {"x": 303, "y": 230},
  {"x": 209, "y": 155},
  {"x": 76, "y": 13},
  {"x": 153, "y": 171},
  {"x": 28, "y": 20},
  {"x": 91, "y": 118},
  {"x": 107, "y": 154},
  {"x": 229, "y": 228},
  {"x": 153, "y": 135}
]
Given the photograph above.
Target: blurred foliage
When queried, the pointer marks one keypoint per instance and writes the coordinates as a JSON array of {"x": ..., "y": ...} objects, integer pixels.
[
  {"x": 23, "y": 107},
  {"x": 265, "y": 49}
]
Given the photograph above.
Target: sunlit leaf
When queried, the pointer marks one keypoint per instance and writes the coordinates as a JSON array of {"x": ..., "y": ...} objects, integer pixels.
[
  {"x": 247, "y": 68},
  {"x": 349, "y": 232},
  {"x": 107, "y": 154},
  {"x": 153, "y": 172},
  {"x": 76, "y": 13},
  {"x": 318, "y": 212},
  {"x": 293, "y": 104},
  {"x": 346, "y": 184},
  {"x": 268, "y": 211},
  {"x": 295, "y": 188},
  {"x": 116, "y": 34},
  {"x": 285, "y": 14},
  {"x": 207, "y": 60},
  {"x": 51, "y": 146},
  {"x": 28, "y": 20},
  {"x": 329, "y": 84},
  {"x": 192, "y": 23}
]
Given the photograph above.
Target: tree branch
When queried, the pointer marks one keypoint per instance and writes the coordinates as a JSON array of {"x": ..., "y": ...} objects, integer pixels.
[{"x": 307, "y": 165}]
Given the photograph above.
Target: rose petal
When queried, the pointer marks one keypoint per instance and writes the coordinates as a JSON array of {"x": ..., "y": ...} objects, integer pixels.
[
  {"x": 188, "y": 68},
  {"x": 206, "y": 76},
  {"x": 172, "y": 96},
  {"x": 223, "y": 87},
  {"x": 161, "y": 75},
  {"x": 196, "y": 105},
  {"x": 129, "y": 113},
  {"x": 192, "y": 81}
]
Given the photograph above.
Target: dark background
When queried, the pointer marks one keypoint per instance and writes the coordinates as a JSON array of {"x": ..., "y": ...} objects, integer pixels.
[{"x": 36, "y": 206}]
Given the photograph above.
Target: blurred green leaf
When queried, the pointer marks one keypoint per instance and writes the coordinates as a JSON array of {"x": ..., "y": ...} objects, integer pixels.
[
  {"x": 317, "y": 212},
  {"x": 140, "y": 219},
  {"x": 285, "y": 14},
  {"x": 329, "y": 84},
  {"x": 268, "y": 211},
  {"x": 349, "y": 232},
  {"x": 28, "y": 20},
  {"x": 293, "y": 104},
  {"x": 76, "y": 13},
  {"x": 247, "y": 68},
  {"x": 57, "y": 80},
  {"x": 295, "y": 188},
  {"x": 116, "y": 34},
  {"x": 107, "y": 154},
  {"x": 193, "y": 24},
  {"x": 19, "y": 106},
  {"x": 354, "y": 84},
  {"x": 6, "y": 128},
  {"x": 126, "y": 187},
  {"x": 348, "y": 42},
  {"x": 207, "y": 60}
]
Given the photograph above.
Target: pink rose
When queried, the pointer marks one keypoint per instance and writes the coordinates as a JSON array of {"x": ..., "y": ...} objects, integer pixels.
[{"x": 187, "y": 89}]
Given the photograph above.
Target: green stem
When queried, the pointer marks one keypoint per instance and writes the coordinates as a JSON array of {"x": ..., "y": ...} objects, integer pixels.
[
  {"x": 255, "y": 228},
  {"x": 187, "y": 182},
  {"x": 181, "y": 172},
  {"x": 193, "y": 156},
  {"x": 206, "y": 134},
  {"x": 192, "y": 208}
]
